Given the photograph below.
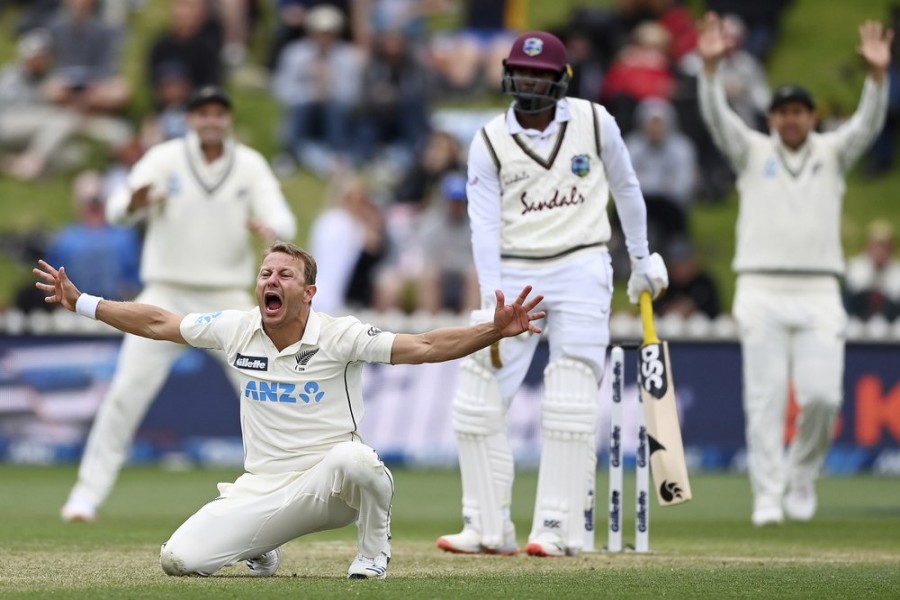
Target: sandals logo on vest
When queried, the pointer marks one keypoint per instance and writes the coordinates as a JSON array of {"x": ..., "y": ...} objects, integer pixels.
[
  {"x": 303, "y": 359},
  {"x": 581, "y": 164},
  {"x": 252, "y": 363},
  {"x": 574, "y": 198}
]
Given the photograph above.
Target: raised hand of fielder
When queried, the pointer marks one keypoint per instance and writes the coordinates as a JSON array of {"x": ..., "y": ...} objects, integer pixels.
[
  {"x": 712, "y": 43},
  {"x": 57, "y": 284},
  {"x": 875, "y": 45},
  {"x": 513, "y": 319}
]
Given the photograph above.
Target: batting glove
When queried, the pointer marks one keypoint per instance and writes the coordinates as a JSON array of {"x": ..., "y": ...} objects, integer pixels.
[{"x": 648, "y": 274}]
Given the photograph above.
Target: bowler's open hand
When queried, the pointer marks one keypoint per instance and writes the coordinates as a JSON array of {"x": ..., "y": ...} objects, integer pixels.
[
  {"x": 513, "y": 319},
  {"x": 57, "y": 284}
]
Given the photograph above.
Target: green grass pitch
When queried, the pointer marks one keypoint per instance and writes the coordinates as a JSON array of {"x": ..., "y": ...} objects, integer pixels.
[{"x": 703, "y": 549}]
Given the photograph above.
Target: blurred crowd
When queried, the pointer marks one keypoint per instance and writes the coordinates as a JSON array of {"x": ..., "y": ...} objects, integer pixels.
[{"x": 358, "y": 85}]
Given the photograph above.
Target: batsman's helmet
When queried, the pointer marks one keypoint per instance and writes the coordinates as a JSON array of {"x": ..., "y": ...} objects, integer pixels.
[{"x": 541, "y": 51}]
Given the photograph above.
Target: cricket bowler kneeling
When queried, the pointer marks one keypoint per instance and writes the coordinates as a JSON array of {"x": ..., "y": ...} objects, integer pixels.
[{"x": 307, "y": 468}]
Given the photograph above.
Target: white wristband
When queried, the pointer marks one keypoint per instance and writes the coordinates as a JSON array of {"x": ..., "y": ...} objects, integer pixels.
[{"x": 86, "y": 305}]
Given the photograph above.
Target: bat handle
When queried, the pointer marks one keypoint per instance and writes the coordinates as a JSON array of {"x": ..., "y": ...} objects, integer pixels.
[{"x": 647, "y": 319}]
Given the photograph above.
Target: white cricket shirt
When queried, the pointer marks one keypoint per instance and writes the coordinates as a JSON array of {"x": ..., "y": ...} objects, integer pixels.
[
  {"x": 298, "y": 403},
  {"x": 541, "y": 193},
  {"x": 789, "y": 219},
  {"x": 197, "y": 235}
]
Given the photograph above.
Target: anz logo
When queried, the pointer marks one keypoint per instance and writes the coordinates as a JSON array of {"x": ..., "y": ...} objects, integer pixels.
[{"x": 273, "y": 391}]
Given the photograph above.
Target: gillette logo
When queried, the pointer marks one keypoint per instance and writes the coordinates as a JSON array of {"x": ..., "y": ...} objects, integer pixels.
[{"x": 252, "y": 363}]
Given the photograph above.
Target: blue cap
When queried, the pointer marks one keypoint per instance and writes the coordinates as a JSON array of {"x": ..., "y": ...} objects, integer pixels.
[{"x": 453, "y": 186}]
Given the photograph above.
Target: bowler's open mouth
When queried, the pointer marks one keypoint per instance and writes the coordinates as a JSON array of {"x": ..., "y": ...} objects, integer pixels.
[{"x": 273, "y": 302}]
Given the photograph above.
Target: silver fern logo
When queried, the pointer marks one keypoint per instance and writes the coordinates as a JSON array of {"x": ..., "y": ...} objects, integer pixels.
[{"x": 303, "y": 359}]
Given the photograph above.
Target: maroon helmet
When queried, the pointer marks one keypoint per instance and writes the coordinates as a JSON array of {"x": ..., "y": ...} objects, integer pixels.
[{"x": 540, "y": 51}]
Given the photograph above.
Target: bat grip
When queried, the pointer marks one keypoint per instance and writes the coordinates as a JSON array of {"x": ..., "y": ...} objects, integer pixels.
[{"x": 647, "y": 319}]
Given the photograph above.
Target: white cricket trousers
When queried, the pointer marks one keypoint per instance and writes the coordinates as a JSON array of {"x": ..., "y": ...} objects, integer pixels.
[
  {"x": 258, "y": 513},
  {"x": 577, "y": 296},
  {"x": 142, "y": 369},
  {"x": 792, "y": 330}
]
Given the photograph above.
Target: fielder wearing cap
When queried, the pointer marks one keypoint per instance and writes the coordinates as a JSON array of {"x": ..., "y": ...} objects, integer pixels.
[
  {"x": 788, "y": 260},
  {"x": 209, "y": 94},
  {"x": 539, "y": 180},
  {"x": 791, "y": 93}
]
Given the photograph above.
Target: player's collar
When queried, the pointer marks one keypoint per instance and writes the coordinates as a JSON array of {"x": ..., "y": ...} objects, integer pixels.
[
  {"x": 310, "y": 333},
  {"x": 563, "y": 114},
  {"x": 193, "y": 144}
]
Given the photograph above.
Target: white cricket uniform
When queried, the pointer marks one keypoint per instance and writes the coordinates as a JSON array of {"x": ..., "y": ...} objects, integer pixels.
[
  {"x": 788, "y": 260},
  {"x": 197, "y": 255},
  {"x": 307, "y": 467},
  {"x": 538, "y": 210}
]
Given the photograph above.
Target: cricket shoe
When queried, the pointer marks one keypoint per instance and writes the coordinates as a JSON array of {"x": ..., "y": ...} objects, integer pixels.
[
  {"x": 468, "y": 541},
  {"x": 548, "y": 546},
  {"x": 364, "y": 567},
  {"x": 767, "y": 515},
  {"x": 800, "y": 502},
  {"x": 78, "y": 510},
  {"x": 266, "y": 564}
]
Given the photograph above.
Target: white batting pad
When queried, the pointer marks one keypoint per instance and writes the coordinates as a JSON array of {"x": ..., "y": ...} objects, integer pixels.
[
  {"x": 485, "y": 456},
  {"x": 568, "y": 458}
]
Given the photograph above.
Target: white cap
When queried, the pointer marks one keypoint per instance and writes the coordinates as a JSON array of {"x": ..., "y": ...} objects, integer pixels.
[
  {"x": 325, "y": 18},
  {"x": 33, "y": 42}
]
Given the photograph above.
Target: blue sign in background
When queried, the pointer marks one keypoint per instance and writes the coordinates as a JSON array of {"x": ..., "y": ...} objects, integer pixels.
[{"x": 197, "y": 402}]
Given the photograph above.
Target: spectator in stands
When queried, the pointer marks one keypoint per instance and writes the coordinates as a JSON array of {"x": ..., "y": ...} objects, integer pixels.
[
  {"x": 394, "y": 106},
  {"x": 692, "y": 290},
  {"x": 191, "y": 42},
  {"x": 641, "y": 70},
  {"x": 470, "y": 58},
  {"x": 402, "y": 263},
  {"x": 35, "y": 14},
  {"x": 587, "y": 67},
  {"x": 349, "y": 238},
  {"x": 86, "y": 53},
  {"x": 678, "y": 21},
  {"x": 168, "y": 119},
  {"x": 239, "y": 18},
  {"x": 872, "y": 281},
  {"x": 33, "y": 131},
  {"x": 290, "y": 19},
  {"x": 318, "y": 84},
  {"x": 441, "y": 155},
  {"x": 448, "y": 281},
  {"x": 93, "y": 250},
  {"x": 665, "y": 163}
]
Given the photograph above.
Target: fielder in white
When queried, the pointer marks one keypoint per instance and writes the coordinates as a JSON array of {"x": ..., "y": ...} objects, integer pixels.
[
  {"x": 301, "y": 400},
  {"x": 540, "y": 176},
  {"x": 788, "y": 261},
  {"x": 201, "y": 198}
]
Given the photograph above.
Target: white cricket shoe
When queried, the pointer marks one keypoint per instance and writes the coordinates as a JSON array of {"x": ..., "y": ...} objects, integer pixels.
[
  {"x": 266, "y": 564},
  {"x": 78, "y": 509},
  {"x": 548, "y": 545},
  {"x": 800, "y": 502},
  {"x": 767, "y": 515},
  {"x": 468, "y": 541},
  {"x": 364, "y": 567}
]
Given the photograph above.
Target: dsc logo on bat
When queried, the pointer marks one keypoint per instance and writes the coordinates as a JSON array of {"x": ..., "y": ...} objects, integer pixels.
[{"x": 653, "y": 370}]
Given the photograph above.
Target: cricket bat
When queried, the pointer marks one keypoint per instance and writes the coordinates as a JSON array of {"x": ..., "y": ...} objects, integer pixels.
[{"x": 670, "y": 475}]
